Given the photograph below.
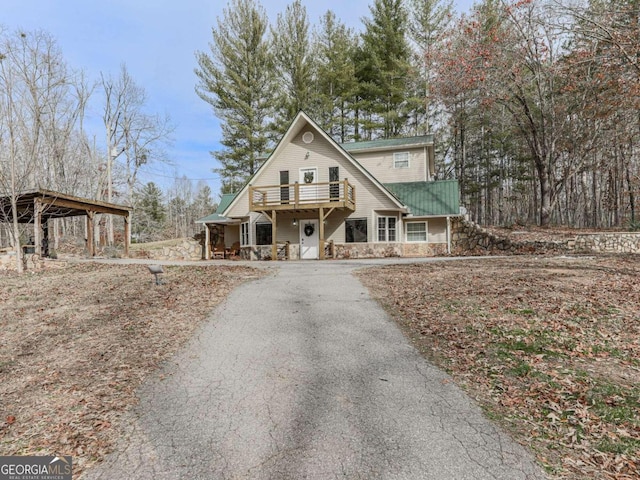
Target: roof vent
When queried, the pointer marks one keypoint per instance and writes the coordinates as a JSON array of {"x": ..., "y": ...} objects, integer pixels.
[{"x": 307, "y": 137}]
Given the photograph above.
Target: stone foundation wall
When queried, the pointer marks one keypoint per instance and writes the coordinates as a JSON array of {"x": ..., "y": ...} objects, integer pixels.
[
  {"x": 424, "y": 249},
  {"x": 263, "y": 252},
  {"x": 367, "y": 250},
  {"x": 354, "y": 250}
]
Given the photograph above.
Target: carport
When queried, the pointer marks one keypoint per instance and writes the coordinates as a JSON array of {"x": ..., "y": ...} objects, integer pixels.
[{"x": 40, "y": 206}]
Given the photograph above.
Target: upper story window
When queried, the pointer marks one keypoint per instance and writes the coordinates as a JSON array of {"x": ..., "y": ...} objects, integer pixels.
[{"x": 401, "y": 160}]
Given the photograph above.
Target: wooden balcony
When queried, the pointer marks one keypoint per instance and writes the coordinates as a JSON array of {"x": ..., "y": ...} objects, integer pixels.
[{"x": 302, "y": 196}]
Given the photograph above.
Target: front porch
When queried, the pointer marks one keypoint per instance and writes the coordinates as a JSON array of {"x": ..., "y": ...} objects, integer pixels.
[{"x": 314, "y": 202}]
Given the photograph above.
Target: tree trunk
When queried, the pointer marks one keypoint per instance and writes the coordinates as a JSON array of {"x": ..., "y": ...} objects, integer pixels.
[
  {"x": 16, "y": 235},
  {"x": 545, "y": 194}
]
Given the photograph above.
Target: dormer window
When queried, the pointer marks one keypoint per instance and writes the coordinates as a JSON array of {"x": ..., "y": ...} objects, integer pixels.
[{"x": 401, "y": 160}]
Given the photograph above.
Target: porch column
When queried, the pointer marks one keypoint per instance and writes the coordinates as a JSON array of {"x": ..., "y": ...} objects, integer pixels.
[
  {"x": 90, "y": 229},
  {"x": 207, "y": 241},
  {"x": 274, "y": 236},
  {"x": 321, "y": 228},
  {"x": 37, "y": 226}
]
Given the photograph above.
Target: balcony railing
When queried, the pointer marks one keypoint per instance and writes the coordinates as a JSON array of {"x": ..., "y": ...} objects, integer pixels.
[{"x": 302, "y": 196}]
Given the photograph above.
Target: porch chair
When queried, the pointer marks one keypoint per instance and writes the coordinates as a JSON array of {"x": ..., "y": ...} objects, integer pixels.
[
  {"x": 234, "y": 251},
  {"x": 218, "y": 251}
]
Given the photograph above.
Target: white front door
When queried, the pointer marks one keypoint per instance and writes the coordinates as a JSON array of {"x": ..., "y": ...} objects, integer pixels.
[
  {"x": 308, "y": 191},
  {"x": 309, "y": 240}
]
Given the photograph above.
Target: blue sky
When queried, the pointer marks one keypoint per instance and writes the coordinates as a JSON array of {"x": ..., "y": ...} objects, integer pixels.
[{"x": 156, "y": 40}]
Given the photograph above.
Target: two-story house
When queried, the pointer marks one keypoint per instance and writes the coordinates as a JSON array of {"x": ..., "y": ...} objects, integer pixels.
[{"x": 314, "y": 198}]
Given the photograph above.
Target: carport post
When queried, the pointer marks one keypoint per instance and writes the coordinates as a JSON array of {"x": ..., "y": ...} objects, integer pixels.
[
  {"x": 45, "y": 238},
  {"x": 37, "y": 225},
  {"x": 127, "y": 233},
  {"x": 90, "y": 246}
]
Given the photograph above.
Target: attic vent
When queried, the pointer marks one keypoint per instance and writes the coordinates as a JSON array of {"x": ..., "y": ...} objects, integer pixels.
[{"x": 307, "y": 137}]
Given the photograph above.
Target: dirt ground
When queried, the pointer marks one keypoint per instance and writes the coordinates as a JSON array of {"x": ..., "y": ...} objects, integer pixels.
[
  {"x": 549, "y": 346},
  {"x": 76, "y": 342}
]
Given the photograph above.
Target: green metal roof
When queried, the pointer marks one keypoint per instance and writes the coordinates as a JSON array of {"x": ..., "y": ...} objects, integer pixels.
[
  {"x": 388, "y": 143},
  {"x": 213, "y": 218},
  {"x": 217, "y": 216},
  {"x": 225, "y": 201},
  {"x": 439, "y": 198}
]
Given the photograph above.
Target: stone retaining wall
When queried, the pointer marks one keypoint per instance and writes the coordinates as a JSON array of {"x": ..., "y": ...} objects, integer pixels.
[
  {"x": 187, "y": 249},
  {"x": 30, "y": 261},
  {"x": 7, "y": 261},
  {"x": 468, "y": 238},
  {"x": 606, "y": 242}
]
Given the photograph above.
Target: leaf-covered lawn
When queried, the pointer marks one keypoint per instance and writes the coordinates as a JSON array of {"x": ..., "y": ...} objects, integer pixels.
[
  {"x": 549, "y": 346},
  {"x": 75, "y": 344}
]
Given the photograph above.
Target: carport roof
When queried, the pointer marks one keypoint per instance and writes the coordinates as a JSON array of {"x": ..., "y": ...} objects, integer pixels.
[{"x": 55, "y": 205}]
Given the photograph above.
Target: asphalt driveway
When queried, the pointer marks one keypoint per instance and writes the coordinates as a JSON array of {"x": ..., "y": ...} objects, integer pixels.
[{"x": 301, "y": 375}]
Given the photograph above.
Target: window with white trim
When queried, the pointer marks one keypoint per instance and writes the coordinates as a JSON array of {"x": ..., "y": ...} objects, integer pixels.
[
  {"x": 401, "y": 160},
  {"x": 387, "y": 229},
  {"x": 416, "y": 232},
  {"x": 244, "y": 234}
]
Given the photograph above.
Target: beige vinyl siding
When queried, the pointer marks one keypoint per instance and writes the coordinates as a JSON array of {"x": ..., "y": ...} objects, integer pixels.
[
  {"x": 231, "y": 234},
  {"x": 284, "y": 232},
  {"x": 437, "y": 232},
  {"x": 436, "y": 228},
  {"x": 240, "y": 206},
  {"x": 321, "y": 155},
  {"x": 381, "y": 165}
]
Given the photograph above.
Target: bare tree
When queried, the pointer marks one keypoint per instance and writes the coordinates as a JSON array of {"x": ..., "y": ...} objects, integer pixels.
[
  {"x": 39, "y": 112},
  {"x": 131, "y": 133}
]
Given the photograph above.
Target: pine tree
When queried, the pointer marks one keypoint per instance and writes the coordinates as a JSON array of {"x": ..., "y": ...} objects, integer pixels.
[
  {"x": 335, "y": 45},
  {"x": 292, "y": 51},
  {"x": 428, "y": 20},
  {"x": 236, "y": 78},
  {"x": 151, "y": 213},
  {"x": 384, "y": 70},
  {"x": 203, "y": 203}
]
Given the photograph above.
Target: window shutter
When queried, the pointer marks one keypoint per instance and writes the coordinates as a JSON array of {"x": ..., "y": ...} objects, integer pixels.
[
  {"x": 284, "y": 191},
  {"x": 334, "y": 188}
]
